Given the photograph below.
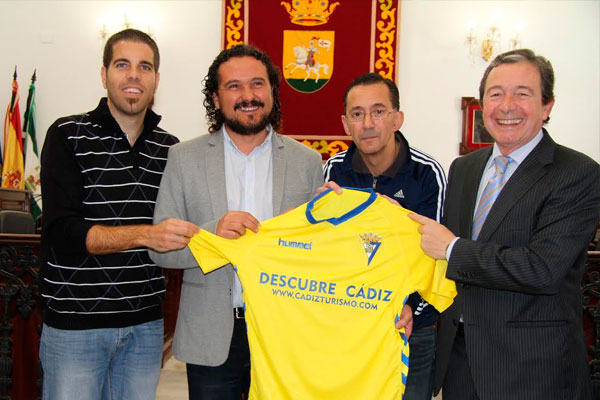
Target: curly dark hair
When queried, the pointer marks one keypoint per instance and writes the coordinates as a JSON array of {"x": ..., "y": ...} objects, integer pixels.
[{"x": 211, "y": 84}]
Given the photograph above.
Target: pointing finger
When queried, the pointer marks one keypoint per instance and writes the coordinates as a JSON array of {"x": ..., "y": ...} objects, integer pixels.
[{"x": 418, "y": 218}]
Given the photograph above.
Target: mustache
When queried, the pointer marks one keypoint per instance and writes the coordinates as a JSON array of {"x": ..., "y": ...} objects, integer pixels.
[
  {"x": 255, "y": 103},
  {"x": 369, "y": 134}
]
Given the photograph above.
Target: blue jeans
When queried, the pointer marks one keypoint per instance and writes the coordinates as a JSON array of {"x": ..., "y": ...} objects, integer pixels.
[
  {"x": 419, "y": 383},
  {"x": 107, "y": 364}
]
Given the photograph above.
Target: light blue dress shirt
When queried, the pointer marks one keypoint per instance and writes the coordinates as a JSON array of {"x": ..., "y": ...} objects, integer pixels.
[
  {"x": 518, "y": 156},
  {"x": 249, "y": 185}
]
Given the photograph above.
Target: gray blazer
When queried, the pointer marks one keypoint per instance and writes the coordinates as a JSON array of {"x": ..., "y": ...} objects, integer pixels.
[
  {"x": 193, "y": 189},
  {"x": 518, "y": 284}
]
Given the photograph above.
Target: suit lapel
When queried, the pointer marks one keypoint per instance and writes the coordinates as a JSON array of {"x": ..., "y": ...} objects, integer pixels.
[
  {"x": 470, "y": 190},
  {"x": 527, "y": 174},
  {"x": 214, "y": 167},
  {"x": 279, "y": 167}
]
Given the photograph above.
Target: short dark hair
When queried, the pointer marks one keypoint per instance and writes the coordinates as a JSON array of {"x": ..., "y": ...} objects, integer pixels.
[
  {"x": 372, "y": 78},
  {"x": 524, "y": 55},
  {"x": 211, "y": 84},
  {"x": 130, "y": 35}
]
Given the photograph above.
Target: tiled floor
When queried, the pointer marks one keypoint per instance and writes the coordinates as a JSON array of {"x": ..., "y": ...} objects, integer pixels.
[{"x": 172, "y": 384}]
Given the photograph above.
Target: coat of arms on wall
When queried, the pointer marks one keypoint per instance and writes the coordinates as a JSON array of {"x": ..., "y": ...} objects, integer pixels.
[
  {"x": 307, "y": 68},
  {"x": 307, "y": 39}
]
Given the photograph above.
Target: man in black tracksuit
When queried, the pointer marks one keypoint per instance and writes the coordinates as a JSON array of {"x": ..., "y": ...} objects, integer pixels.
[{"x": 381, "y": 158}]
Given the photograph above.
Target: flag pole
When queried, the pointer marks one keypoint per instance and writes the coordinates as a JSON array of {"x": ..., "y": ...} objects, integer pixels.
[{"x": 13, "y": 96}]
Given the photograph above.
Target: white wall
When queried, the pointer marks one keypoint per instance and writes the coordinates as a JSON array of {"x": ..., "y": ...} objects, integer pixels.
[
  {"x": 68, "y": 69},
  {"x": 435, "y": 70}
]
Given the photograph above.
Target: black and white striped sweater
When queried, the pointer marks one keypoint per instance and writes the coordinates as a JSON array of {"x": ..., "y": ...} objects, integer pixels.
[{"x": 91, "y": 175}]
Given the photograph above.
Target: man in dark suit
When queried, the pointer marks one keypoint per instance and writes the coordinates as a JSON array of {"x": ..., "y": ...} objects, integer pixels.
[{"x": 518, "y": 218}]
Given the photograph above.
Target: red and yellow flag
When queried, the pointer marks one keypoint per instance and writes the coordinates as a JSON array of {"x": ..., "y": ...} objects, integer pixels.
[{"x": 13, "y": 170}]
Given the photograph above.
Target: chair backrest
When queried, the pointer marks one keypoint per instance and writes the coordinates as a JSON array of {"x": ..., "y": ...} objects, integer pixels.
[{"x": 12, "y": 221}]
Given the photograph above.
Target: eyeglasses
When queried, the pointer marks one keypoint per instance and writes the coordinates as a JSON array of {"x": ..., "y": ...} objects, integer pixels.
[{"x": 376, "y": 115}]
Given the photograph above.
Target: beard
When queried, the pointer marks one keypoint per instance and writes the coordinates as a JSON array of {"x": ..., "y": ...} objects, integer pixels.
[
  {"x": 130, "y": 107},
  {"x": 126, "y": 105},
  {"x": 251, "y": 128}
]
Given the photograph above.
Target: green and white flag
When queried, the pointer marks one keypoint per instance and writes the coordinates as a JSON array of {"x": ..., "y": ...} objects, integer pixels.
[
  {"x": 29, "y": 118},
  {"x": 32, "y": 183}
]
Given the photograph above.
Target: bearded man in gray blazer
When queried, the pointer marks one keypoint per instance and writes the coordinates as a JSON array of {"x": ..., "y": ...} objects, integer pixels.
[
  {"x": 519, "y": 217},
  {"x": 226, "y": 182}
]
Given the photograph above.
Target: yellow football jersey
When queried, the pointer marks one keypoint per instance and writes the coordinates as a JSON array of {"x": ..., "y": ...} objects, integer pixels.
[{"x": 323, "y": 285}]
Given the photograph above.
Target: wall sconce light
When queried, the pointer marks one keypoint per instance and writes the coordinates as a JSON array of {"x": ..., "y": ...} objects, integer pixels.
[
  {"x": 105, "y": 33},
  {"x": 491, "y": 44},
  {"x": 491, "y": 41}
]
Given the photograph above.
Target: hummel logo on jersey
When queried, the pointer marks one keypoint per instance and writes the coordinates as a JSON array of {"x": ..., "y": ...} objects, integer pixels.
[
  {"x": 298, "y": 245},
  {"x": 399, "y": 194},
  {"x": 371, "y": 243}
]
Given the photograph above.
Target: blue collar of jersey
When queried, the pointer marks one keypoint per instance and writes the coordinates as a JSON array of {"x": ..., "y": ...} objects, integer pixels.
[{"x": 336, "y": 221}]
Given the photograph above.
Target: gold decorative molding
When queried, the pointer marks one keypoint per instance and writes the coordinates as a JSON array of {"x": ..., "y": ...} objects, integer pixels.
[
  {"x": 385, "y": 39},
  {"x": 326, "y": 147},
  {"x": 234, "y": 23}
]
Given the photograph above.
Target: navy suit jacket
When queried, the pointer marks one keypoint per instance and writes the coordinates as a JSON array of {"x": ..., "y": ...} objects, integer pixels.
[{"x": 519, "y": 283}]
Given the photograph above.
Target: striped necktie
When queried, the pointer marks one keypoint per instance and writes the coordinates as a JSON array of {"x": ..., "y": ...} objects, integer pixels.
[{"x": 489, "y": 195}]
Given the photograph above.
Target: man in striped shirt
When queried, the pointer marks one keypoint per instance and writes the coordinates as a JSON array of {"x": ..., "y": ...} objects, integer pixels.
[
  {"x": 381, "y": 158},
  {"x": 103, "y": 331}
]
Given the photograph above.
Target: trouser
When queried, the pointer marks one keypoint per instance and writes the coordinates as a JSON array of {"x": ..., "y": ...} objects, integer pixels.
[
  {"x": 94, "y": 364},
  {"x": 419, "y": 383},
  {"x": 458, "y": 382},
  {"x": 229, "y": 381}
]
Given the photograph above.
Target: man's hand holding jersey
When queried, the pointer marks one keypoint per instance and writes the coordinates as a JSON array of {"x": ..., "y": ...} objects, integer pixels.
[
  {"x": 330, "y": 185},
  {"x": 405, "y": 320},
  {"x": 234, "y": 224},
  {"x": 435, "y": 237}
]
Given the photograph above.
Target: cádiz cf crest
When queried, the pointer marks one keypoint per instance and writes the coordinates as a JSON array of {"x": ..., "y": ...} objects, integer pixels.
[
  {"x": 371, "y": 242},
  {"x": 308, "y": 59}
]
